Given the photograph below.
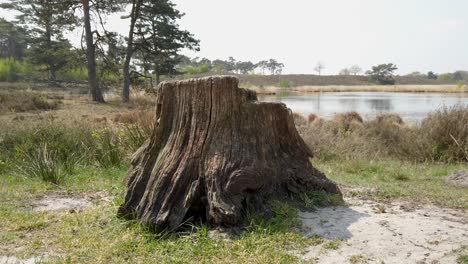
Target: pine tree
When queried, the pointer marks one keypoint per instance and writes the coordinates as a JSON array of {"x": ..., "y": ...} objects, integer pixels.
[
  {"x": 47, "y": 20},
  {"x": 159, "y": 38}
]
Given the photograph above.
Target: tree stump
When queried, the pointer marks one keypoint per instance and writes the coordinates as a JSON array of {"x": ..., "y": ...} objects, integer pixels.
[{"x": 214, "y": 152}]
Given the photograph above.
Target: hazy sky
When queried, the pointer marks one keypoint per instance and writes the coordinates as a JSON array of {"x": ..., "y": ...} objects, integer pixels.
[{"x": 417, "y": 35}]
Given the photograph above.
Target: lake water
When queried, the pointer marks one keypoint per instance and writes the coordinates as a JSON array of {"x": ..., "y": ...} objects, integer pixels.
[{"x": 410, "y": 106}]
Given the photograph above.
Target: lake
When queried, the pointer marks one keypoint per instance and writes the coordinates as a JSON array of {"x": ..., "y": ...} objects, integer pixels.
[{"x": 410, "y": 106}]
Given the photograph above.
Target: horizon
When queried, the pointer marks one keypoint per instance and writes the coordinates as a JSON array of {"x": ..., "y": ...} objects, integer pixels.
[{"x": 356, "y": 33}]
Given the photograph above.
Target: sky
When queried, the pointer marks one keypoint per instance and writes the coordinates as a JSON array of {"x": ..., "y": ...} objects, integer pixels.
[{"x": 416, "y": 35}]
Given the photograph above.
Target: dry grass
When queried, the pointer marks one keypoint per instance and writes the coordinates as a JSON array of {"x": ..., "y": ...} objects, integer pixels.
[
  {"x": 24, "y": 101},
  {"x": 442, "y": 136},
  {"x": 363, "y": 88}
]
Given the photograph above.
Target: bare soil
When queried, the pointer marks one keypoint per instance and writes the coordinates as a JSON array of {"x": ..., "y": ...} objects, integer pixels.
[
  {"x": 458, "y": 178},
  {"x": 373, "y": 232}
]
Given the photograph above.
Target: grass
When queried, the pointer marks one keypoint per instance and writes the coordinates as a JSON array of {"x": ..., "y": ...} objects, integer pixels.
[
  {"x": 356, "y": 259},
  {"x": 96, "y": 235},
  {"x": 442, "y": 136},
  {"x": 463, "y": 259},
  {"x": 333, "y": 244},
  {"x": 23, "y": 101},
  {"x": 44, "y": 164},
  {"x": 394, "y": 179}
]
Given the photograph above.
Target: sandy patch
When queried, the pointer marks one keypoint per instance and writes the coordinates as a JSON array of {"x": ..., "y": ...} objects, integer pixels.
[
  {"x": 15, "y": 260},
  {"x": 60, "y": 203},
  {"x": 68, "y": 202},
  {"x": 387, "y": 233}
]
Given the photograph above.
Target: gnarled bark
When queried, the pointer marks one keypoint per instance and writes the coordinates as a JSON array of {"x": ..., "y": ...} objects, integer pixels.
[{"x": 214, "y": 152}]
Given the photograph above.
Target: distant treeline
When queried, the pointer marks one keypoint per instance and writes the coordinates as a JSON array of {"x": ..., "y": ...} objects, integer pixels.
[{"x": 33, "y": 47}]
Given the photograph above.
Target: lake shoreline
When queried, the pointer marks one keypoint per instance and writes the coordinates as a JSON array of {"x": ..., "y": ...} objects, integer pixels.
[
  {"x": 272, "y": 90},
  {"x": 410, "y": 106}
]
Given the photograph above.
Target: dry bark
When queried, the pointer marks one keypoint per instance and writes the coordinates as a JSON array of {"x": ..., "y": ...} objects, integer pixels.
[{"x": 215, "y": 151}]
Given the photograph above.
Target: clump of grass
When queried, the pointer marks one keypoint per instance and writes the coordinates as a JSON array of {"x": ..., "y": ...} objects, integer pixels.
[
  {"x": 314, "y": 199},
  {"x": 284, "y": 84},
  {"x": 346, "y": 120},
  {"x": 299, "y": 119},
  {"x": 137, "y": 126},
  {"x": 446, "y": 131},
  {"x": 389, "y": 118},
  {"x": 357, "y": 259},
  {"x": 311, "y": 118},
  {"x": 70, "y": 145},
  {"x": 333, "y": 244},
  {"x": 399, "y": 175},
  {"x": 107, "y": 147},
  {"x": 43, "y": 164}
]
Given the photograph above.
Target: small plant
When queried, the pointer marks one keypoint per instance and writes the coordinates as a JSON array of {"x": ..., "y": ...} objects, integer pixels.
[
  {"x": 43, "y": 164},
  {"x": 460, "y": 84},
  {"x": 332, "y": 244},
  {"x": 284, "y": 84},
  {"x": 357, "y": 259}
]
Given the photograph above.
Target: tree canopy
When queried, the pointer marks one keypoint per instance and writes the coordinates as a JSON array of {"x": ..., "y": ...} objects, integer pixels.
[{"x": 383, "y": 73}]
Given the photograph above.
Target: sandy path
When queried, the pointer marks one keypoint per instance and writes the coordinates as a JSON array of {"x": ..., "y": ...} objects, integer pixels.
[{"x": 387, "y": 233}]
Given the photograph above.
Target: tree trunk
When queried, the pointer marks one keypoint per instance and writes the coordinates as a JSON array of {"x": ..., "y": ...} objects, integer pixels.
[
  {"x": 129, "y": 52},
  {"x": 157, "y": 74},
  {"x": 214, "y": 153},
  {"x": 52, "y": 71},
  {"x": 96, "y": 92}
]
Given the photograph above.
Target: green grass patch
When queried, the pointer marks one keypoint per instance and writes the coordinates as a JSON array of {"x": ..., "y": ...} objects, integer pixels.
[
  {"x": 97, "y": 235},
  {"x": 422, "y": 182}
]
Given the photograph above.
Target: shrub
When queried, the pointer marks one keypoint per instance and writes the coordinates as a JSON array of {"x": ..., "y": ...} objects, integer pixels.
[
  {"x": 284, "y": 84},
  {"x": 390, "y": 118},
  {"x": 442, "y": 136},
  {"x": 13, "y": 70},
  {"x": 73, "y": 74},
  {"x": 299, "y": 119},
  {"x": 345, "y": 121},
  {"x": 446, "y": 131},
  {"x": 311, "y": 118}
]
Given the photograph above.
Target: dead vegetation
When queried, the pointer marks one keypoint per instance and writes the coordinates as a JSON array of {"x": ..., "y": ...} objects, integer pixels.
[
  {"x": 24, "y": 101},
  {"x": 442, "y": 136}
]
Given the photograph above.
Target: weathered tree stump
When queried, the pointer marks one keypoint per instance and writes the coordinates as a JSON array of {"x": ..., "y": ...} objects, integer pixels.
[{"x": 214, "y": 152}]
